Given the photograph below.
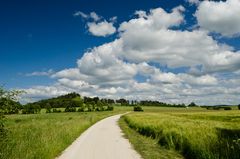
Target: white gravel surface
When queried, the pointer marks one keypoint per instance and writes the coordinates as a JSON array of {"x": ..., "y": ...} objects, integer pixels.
[{"x": 103, "y": 140}]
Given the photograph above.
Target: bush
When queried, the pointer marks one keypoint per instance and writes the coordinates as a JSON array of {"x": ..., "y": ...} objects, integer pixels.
[
  {"x": 137, "y": 109},
  {"x": 227, "y": 108},
  {"x": 239, "y": 106},
  {"x": 56, "y": 110},
  {"x": 110, "y": 108},
  {"x": 3, "y": 135},
  {"x": 70, "y": 109},
  {"x": 48, "y": 108},
  {"x": 81, "y": 109}
]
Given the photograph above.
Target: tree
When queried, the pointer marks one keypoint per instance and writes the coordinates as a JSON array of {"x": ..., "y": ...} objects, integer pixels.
[
  {"x": 5, "y": 97},
  {"x": 239, "y": 106},
  {"x": 100, "y": 106},
  {"x": 192, "y": 104},
  {"x": 137, "y": 109},
  {"x": 48, "y": 108},
  {"x": 123, "y": 101}
]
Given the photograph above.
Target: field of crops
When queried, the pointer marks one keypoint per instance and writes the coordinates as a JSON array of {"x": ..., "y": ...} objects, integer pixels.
[
  {"x": 195, "y": 133},
  {"x": 44, "y": 136}
]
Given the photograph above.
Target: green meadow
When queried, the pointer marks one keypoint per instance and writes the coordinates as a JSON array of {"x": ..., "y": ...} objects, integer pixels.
[
  {"x": 195, "y": 133},
  {"x": 156, "y": 133},
  {"x": 45, "y": 136}
]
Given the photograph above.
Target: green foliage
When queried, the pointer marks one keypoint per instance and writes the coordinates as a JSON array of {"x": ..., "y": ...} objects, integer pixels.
[
  {"x": 137, "y": 109},
  {"x": 56, "y": 110},
  {"x": 157, "y": 104},
  {"x": 70, "y": 108},
  {"x": 192, "y": 104},
  {"x": 48, "y": 108},
  {"x": 72, "y": 102},
  {"x": 3, "y": 136},
  {"x": 123, "y": 102},
  {"x": 81, "y": 109},
  {"x": 227, "y": 108},
  {"x": 218, "y": 107},
  {"x": 110, "y": 108},
  {"x": 8, "y": 101},
  {"x": 8, "y": 105},
  {"x": 31, "y": 109}
]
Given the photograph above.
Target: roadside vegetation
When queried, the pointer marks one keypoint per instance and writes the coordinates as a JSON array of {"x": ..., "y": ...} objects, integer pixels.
[
  {"x": 196, "y": 133},
  {"x": 45, "y": 136},
  {"x": 147, "y": 147}
]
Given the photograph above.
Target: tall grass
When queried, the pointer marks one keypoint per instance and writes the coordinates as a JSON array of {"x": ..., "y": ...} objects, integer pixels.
[
  {"x": 200, "y": 135},
  {"x": 45, "y": 136}
]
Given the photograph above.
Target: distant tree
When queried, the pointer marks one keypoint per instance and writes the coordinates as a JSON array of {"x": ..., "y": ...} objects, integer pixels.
[
  {"x": 137, "y": 109},
  {"x": 56, "y": 110},
  {"x": 95, "y": 99},
  {"x": 70, "y": 108},
  {"x": 192, "y": 104},
  {"x": 227, "y": 108},
  {"x": 110, "y": 108},
  {"x": 48, "y": 108},
  {"x": 81, "y": 109},
  {"x": 110, "y": 101},
  {"x": 28, "y": 109},
  {"x": 100, "y": 105},
  {"x": 37, "y": 108},
  {"x": 239, "y": 106},
  {"x": 123, "y": 101}
]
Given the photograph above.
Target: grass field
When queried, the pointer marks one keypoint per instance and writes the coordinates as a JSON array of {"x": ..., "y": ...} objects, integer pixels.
[
  {"x": 195, "y": 133},
  {"x": 44, "y": 136},
  {"x": 147, "y": 147}
]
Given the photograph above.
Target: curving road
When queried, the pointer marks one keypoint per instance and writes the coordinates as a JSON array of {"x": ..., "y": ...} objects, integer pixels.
[{"x": 103, "y": 140}]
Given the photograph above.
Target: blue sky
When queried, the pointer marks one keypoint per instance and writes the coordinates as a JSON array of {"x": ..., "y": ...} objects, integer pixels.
[{"x": 40, "y": 39}]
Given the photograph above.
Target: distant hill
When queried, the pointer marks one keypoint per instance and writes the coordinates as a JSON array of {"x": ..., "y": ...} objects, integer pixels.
[{"x": 60, "y": 101}]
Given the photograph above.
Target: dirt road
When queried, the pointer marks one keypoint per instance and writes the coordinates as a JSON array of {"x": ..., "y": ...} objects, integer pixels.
[{"x": 104, "y": 140}]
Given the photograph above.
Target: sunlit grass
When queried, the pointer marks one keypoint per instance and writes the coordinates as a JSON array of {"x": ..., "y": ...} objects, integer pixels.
[
  {"x": 196, "y": 133},
  {"x": 45, "y": 136}
]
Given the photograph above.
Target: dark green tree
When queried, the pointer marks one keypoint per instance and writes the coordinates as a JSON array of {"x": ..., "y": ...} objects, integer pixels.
[
  {"x": 5, "y": 97},
  {"x": 48, "y": 108},
  {"x": 192, "y": 104}
]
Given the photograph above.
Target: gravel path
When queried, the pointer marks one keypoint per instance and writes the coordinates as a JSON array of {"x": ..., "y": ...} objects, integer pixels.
[{"x": 103, "y": 140}]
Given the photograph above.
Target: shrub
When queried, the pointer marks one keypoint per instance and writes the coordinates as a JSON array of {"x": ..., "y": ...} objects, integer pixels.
[
  {"x": 137, "y": 109},
  {"x": 110, "y": 108},
  {"x": 192, "y": 104},
  {"x": 48, "y": 108},
  {"x": 227, "y": 108},
  {"x": 56, "y": 110},
  {"x": 29, "y": 109},
  {"x": 81, "y": 109},
  {"x": 70, "y": 109}
]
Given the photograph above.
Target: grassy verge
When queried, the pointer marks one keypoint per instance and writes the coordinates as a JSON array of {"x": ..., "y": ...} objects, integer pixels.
[
  {"x": 147, "y": 147},
  {"x": 45, "y": 136},
  {"x": 194, "y": 133}
]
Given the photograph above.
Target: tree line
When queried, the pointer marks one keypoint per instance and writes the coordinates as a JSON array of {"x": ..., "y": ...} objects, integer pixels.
[
  {"x": 74, "y": 102},
  {"x": 71, "y": 102}
]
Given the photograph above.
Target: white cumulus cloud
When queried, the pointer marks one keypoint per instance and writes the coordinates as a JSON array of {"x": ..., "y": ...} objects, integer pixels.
[
  {"x": 97, "y": 25},
  {"x": 220, "y": 17},
  {"x": 103, "y": 28}
]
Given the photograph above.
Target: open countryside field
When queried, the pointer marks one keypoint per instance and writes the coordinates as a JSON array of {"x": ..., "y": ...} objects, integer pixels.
[
  {"x": 194, "y": 132},
  {"x": 45, "y": 136}
]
